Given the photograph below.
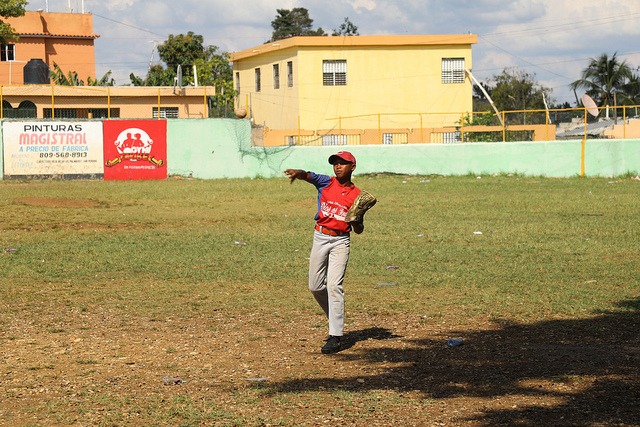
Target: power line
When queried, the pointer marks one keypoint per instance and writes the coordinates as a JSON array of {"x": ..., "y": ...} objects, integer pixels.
[
  {"x": 522, "y": 59},
  {"x": 572, "y": 25},
  {"x": 128, "y": 25}
]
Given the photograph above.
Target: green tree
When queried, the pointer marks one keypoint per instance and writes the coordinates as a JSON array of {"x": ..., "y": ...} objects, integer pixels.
[
  {"x": 212, "y": 67},
  {"x": 10, "y": 9},
  {"x": 182, "y": 50},
  {"x": 70, "y": 79},
  {"x": 106, "y": 80},
  {"x": 517, "y": 90},
  {"x": 215, "y": 70},
  {"x": 482, "y": 119},
  {"x": 602, "y": 78},
  {"x": 294, "y": 22},
  {"x": 631, "y": 90},
  {"x": 157, "y": 75},
  {"x": 480, "y": 101},
  {"x": 346, "y": 29}
]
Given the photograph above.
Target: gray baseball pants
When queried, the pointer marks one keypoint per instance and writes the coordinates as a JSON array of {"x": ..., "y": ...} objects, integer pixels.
[{"x": 327, "y": 266}]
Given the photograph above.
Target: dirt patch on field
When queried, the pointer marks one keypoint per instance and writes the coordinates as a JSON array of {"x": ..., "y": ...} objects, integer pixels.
[
  {"x": 90, "y": 367},
  {"x": 53, "y": 202}
]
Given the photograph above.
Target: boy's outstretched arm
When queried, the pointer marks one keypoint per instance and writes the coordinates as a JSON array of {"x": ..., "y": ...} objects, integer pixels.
[{"x": 294, "y": 174}]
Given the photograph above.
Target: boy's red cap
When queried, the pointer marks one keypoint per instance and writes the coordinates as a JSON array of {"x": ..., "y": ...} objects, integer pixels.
[{"x": 344, "y": 155}]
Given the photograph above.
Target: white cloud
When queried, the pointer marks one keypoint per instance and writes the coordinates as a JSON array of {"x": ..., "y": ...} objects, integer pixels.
[{"x": 552, "y": 38}]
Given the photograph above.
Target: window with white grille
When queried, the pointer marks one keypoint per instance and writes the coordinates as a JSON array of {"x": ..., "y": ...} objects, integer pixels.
[
  {"x": 451, "y": 137},
  {"x": 334, "y": 139},
  {"x": 166, "y": 112},
  {"x": 290, "y": 73},
  {"x": 334, "y": 72},
  {"x": 452, "y": 70},
  {"x": 238, "y": 83},
  {"x": 257, "y": 79},
  {"x": 8, "y": 52}
]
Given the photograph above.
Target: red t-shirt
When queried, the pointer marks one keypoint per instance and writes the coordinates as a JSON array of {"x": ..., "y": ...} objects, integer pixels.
[{"x": 334, "y": 201}]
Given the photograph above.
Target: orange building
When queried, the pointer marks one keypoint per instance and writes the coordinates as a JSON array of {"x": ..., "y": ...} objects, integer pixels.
[{"x": 63, "y": 38}]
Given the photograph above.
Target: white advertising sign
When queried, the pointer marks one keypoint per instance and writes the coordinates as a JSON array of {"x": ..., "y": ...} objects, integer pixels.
[{"x": 53, "y": 148}]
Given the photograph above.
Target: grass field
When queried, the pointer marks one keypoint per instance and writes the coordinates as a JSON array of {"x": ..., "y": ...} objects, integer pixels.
[{"x": 108, "y": 287}]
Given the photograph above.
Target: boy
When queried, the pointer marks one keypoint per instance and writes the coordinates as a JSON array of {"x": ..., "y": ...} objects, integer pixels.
[{"x": 330, "y": 249}]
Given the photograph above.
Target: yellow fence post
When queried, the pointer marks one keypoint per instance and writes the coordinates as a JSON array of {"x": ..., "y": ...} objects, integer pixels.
[
  {"x": 421, "y": 134},
  {"x": 379, "y": 131},
  {"x": 204, "y": 112},
  {"x": 299, "y": 143},
  {"x": 624, "y": 121},
  {"x": 584, "y": 140},
  {"x": 158, "y": 103},
  {"x": 340, "y": 131},
  {"x": 108, "y": 102},
  {"x": 462, "y": 125},
  {"x": 504, "y": 129},
  {"x": 53, "y": 109}
]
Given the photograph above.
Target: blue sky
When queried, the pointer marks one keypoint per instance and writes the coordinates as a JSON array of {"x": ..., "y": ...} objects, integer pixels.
[{"x": 553, "y": 39}]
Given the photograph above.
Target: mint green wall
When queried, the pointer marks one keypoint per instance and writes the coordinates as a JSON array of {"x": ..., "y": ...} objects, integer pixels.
[
  {"x": 220, "y": 148},
  {"x": 209, "y": 148}
]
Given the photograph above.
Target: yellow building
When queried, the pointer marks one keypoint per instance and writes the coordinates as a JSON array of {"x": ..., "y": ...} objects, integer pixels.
[{"x": 347, "y": 85}]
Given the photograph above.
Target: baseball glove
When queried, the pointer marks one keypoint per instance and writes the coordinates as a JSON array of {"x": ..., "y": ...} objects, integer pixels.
[{"x": 360, "y": 206}]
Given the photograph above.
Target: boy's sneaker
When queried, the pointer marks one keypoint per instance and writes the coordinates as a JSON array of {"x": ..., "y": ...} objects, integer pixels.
[{"x": 332, "y": 345}]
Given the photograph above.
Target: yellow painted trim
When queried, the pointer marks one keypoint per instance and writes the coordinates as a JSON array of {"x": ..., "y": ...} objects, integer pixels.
[{"x": 356, "y": 41}]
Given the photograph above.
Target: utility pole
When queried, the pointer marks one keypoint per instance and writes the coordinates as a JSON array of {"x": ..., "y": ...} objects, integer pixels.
[{"x": 615, "y": 107}]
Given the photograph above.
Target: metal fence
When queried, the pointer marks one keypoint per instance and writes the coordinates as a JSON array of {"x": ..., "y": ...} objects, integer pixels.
[
  {"x": 85, "y": 102},
  {"x": 458, "y": 128}
]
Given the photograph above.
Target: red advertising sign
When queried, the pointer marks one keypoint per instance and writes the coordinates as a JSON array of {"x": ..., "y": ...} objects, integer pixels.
[{"x": 135, "y": 149}]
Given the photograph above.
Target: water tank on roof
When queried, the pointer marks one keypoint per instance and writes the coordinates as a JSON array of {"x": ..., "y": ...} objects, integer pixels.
[{"x": 36, "y": 72}]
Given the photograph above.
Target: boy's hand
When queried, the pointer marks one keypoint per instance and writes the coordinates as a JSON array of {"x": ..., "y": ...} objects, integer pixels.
[
  {"x": 357, "y": 227},
  {"x": 294, "y": 174}
]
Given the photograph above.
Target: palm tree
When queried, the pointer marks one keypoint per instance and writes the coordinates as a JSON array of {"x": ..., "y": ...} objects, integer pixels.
[
  {"x": 603, "y": 77},
  {"x": 106, "y": 80},
  {"x": 59, "y": 78},
  {"x": 631, "y": 90}
]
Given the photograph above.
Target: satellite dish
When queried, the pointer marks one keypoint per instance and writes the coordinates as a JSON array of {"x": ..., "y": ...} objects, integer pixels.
[
  {"x": 590, "y": 105},
  {"x": 180, "y": 77}
]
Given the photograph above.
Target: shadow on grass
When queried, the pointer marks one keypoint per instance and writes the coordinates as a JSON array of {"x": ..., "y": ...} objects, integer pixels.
[
  {"x": 584, "y": 372},
  {"x": 353, "y": 337}
]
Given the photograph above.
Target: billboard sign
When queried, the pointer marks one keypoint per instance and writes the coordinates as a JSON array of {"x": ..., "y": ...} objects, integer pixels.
[
  {"x": 135, "y": 149},
  {"x": 52, "y": 149}
]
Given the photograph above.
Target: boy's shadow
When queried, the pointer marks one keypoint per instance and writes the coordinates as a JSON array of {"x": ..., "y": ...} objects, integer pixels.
[{"x": 353, "y": 337}]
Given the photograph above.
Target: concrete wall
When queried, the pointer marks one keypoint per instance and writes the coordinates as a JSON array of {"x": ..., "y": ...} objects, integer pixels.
[{"x": 221, "y": 148}]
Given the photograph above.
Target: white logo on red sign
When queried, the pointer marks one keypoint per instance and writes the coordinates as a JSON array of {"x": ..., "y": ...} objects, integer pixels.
[{"x": 133, "y": 141}]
